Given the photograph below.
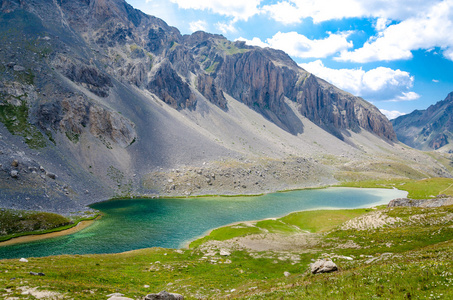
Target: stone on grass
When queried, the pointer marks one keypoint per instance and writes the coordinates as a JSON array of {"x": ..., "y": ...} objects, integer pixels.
[
  {"x": 323, "y": 266},
  {"x": 119, "y": 298},
  {"x": 115, "y": 295},
  {"x": 37, "y": 274},
  {"x": 286, "y": 273},
  {"x": 164, "y": 296},
  {"x": 23, "y": 260},
  {"x": 224, "y": 252}
]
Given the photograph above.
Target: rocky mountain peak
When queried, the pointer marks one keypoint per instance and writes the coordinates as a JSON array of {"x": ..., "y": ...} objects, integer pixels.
[{"x": 427, "y": 129}]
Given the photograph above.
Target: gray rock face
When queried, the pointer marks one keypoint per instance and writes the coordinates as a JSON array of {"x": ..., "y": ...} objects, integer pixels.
[
  {"x": 323, "y": 266},
  {"x": 164, "y": 296},
  {"x": 427, "y": 129},
  {"x": 171, "y": 88}
]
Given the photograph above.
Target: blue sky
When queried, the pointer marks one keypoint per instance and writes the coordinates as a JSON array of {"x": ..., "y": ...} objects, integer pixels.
[{"x": 396, "y": 54}]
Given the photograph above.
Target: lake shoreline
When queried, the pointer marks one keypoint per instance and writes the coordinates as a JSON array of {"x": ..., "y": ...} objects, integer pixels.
[
  {"x": 36, "y": 237},
  {"x": 86, "y": 223}
]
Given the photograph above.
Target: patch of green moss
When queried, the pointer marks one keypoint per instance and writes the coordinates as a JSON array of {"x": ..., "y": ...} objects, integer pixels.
[
  {"x": 72, "y": 136},
  {"x": 212, "y": 68},
  {"x": 15, "y": 119},
  {"x": 230, "y": 48}
]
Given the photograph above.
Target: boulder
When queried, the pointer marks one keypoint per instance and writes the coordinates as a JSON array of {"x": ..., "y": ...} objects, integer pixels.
[
  {"x": 117, "y": 296},
  {"x": 164, "y": 296},
  {"x": 14, "y": 173},
  {"x": 323, "y": 266},
  {"x": 23, "y": 260},
  {"x": 51, "y": 175},
  {"x": 37, "y": 273},
  {"x": 15, "y": 163}
]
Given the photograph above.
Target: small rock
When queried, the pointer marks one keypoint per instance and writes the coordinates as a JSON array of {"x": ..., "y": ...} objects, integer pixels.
[
  {"x": 14, "y": 173},
  {"x": 23, "y": 260},
  {"x": 164, "y": 296},
  {"x": 41, "y": 168},
  {"x": 146, "y": 286},
  {"x": 115, "y": 295},
  {"x": 224, "y": 252},
  {"x": 286, "y": 273},
  {"x": 323, "y": 266},
  {"x": 37, "y": 274},
  {"x": 15, "y": 163},
  {"x": 119, "y": 298},
  {"x": 51, "y": 175},
  {"x": 18, "y": 68}
]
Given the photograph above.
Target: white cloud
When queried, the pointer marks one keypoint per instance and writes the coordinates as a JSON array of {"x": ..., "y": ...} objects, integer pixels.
[
  {"x": 429, "y": 29},
  {"x": 298, "y": 45},
  {"x": 254, "y": 42},
  {"x": 238, "y": 9},
  {"x": 294, "y": 11},
  {"x": 392, "y": 114},
  {"x": 198, "y": 25},
  {"x": 379, "y": 84},
  {"x": 381, "y": 24},
  {"x": 409, "y": 96},
  {"x": 225, "y": 27},
  {"x": 435, "y": 80}
]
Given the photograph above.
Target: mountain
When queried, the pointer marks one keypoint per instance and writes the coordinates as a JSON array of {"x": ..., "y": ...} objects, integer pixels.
[
  {"x": 429, "y": 129},
  {"x": 100, "y": 100}
]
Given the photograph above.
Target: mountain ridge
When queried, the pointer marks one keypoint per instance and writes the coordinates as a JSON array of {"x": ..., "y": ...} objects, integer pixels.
[{"x": 429, "y": 129}]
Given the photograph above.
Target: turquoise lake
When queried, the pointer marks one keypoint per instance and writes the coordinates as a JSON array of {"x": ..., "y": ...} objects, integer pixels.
[{"x": 171, "y": 223}]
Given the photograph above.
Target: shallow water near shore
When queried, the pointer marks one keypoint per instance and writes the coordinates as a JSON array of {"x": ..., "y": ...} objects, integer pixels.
[{"x": 171, "y": 223}]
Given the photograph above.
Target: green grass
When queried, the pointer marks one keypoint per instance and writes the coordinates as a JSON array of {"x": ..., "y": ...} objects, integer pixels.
[
  {"x": 418, "y": 267},
  {"x": 311, "y": 221},
  {"x": 322, "y": 220},
  {"x": 417, "y": 189},
  {"x": 16, "y": 223},
  {"x": 19, "y": 222},
  {"x": 226, "y": 233}
]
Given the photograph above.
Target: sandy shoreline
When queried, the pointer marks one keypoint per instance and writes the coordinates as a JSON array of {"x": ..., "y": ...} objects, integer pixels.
[{"x": 36, "y": 237}]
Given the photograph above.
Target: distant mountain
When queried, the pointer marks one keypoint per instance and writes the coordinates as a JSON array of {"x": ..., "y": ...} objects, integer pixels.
[
  {"x": 99, "y": 99},
  {"x": 429, "y": 129}
]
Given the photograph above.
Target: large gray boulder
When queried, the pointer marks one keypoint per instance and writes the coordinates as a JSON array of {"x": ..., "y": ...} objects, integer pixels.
[
  {"x": 323, "y": 266},
  {"x": 164, "y": 296}
]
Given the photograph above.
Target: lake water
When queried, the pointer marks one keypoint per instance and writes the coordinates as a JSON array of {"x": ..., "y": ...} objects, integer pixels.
[{"x": 171, "y": 223}]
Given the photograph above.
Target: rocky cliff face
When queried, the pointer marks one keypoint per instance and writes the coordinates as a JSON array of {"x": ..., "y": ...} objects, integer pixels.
[
  {"x": 427, "y": 129},
  {"x": 109, "y": 94}
]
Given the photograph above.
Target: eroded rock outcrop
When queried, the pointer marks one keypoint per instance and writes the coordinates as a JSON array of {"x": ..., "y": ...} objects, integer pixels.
[
  {"x": 171, "y": 88},
  {"x": 88, "y": 76}
]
